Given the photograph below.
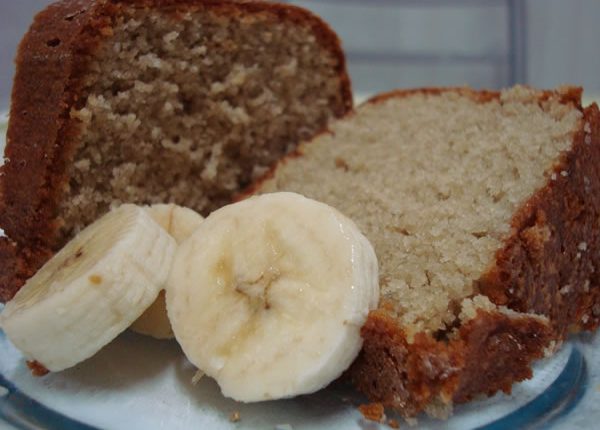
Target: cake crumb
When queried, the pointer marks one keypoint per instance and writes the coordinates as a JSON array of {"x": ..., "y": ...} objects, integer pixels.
[
  {"x": 393, "y": 424},
  {"x": 106, "y": 31},
  {"x": 551, "y": 349},
  {"x": 373, "y": 412},
  {"x": 411, "y": 421},
  {"x": 582, "y": 246},
  {"x": 234, "y": 417},
  {"x": 170, "y": 37},
  {"x": 37, "y": 368},
  {"x": 197, "y": 376},
  {"x": 340, "y": 163},
  {"x": 586, "y": 184},
  {"x": 565, "y": 290}
]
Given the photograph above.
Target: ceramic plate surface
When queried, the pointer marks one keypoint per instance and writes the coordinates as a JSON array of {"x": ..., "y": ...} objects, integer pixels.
[{"x": 141, "y": 383}]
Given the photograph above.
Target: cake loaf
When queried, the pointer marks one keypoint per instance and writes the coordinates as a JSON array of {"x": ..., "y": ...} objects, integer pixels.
[
  {"x": 147, "y": 101},
  {"x": 483, "y": 210}
]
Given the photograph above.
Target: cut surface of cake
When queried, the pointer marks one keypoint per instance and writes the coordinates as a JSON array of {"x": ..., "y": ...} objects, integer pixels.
[
  {"x": 483, "y": 210},
  {"x": 154, "y": 101}
]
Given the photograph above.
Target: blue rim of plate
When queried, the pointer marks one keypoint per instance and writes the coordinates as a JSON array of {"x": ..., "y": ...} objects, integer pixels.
[{"x": 556, "y": 401}]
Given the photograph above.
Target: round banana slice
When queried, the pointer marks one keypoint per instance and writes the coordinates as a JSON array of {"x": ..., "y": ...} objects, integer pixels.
[
  {"x": 180, "y": 223},
  {"x": 269, "y": 294},
  {"x": 91, "y": 290}
]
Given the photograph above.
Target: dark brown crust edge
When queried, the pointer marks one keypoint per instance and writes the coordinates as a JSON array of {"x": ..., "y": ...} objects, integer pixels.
[
  {"x": 493, "y": 351},
  {"x": 490, "y": 353},
  {"x": 555, "y": 245},
  {"x": 42, "y": 138}
]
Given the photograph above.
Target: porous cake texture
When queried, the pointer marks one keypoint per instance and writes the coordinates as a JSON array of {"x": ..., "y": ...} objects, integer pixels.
[
  {"x": 483, "y": 211},
  {"x": 148, "y": 101}
]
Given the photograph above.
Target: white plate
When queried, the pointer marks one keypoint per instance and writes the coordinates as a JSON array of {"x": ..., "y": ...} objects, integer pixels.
[{"x": 141, "y": 383}]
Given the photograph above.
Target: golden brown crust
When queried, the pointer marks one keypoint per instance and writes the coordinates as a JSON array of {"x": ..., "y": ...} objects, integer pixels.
[
  {"x": 408, "y": 376},
  {"x": 565, "y": 95},
  {"x": 52, "y": 62},
  {"x": 498, "y": 351},
  {"x": 390, "y": 371},
  {"x": 548, "y": 264},
  {"x": 481, "y": 96}
]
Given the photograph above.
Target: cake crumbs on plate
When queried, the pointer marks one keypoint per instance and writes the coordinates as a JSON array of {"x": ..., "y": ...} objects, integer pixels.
[
  {"x": 393, "y": 424},
  {"x": 235, "y": 417},
  {"x": 373, "y": 412},
  {"x": 197, "y": 376},
  {"x": 37, "y": 368}
]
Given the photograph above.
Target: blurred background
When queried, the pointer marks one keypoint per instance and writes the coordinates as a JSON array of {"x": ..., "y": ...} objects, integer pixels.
[{"x": 409, "y": 43}]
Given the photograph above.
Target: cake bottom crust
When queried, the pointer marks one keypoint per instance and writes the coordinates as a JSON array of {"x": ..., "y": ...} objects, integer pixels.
[{"x": 489, "y": 353}]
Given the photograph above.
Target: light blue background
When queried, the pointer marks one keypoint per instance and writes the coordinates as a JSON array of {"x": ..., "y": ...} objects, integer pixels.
[{"x": 561, "y": 43}]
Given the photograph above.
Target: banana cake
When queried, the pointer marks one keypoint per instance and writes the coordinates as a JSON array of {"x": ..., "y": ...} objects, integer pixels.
[
  {"x": 154, "y": 101},
  {"x": 483, "y": 210}
]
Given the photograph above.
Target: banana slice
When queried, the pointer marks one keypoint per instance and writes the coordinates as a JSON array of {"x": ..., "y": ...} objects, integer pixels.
[
  {"x": 154, "y": 321},
  {"x": 180, "y": 223},
  {"x": 91, "y": 290},
  {"x": 268, "y": 296}
]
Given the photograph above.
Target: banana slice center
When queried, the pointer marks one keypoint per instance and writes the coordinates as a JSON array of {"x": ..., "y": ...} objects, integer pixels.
[{"x": 257, "y": 290}]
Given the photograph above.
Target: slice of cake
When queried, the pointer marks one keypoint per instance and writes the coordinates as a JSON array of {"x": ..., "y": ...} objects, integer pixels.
[
  {"x": 483, "y": 209},
  {"x": 149, "y": 101}
]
